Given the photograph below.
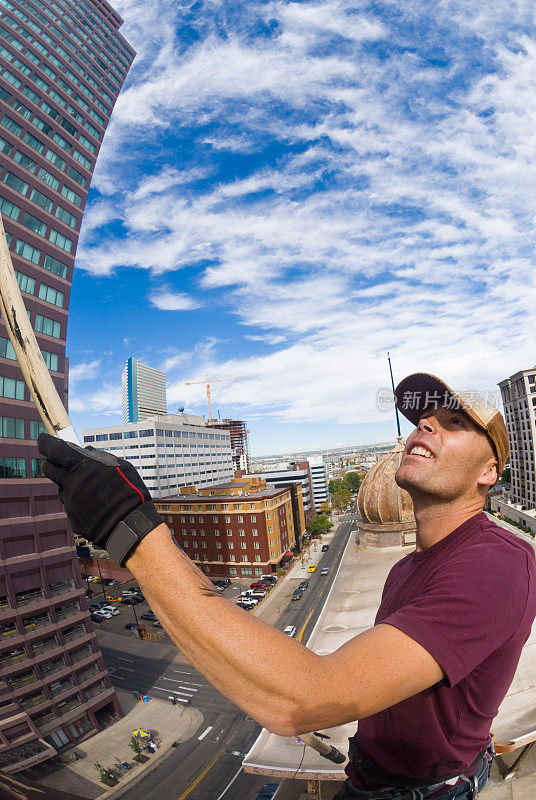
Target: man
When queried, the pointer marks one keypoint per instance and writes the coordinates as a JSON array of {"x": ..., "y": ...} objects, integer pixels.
[{"x": 426, "y": 681}]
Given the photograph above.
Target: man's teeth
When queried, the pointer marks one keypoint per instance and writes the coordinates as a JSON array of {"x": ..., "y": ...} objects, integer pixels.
[{"x": 420, "y": 451}]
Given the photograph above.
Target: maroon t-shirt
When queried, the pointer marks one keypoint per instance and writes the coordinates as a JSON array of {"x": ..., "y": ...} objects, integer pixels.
[{"x": 469, "y": 600}]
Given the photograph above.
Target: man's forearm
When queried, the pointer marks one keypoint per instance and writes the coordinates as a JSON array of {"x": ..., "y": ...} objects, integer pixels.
[{"x": 264, "y": 672}]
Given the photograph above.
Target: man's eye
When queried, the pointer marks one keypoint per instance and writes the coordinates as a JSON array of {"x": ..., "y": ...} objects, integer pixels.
[{"x": 457, "y": 420}]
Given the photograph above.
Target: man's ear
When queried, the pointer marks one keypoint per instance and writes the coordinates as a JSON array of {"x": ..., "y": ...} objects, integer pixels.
[{"x": 489, "y": 475}]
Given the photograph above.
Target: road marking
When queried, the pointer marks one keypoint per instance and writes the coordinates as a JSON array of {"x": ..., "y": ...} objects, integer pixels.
[
  {"x": 127, "y": 669},
  {"x": 174, "y": 680},
  {"x": 121, "y": 658},
  {"x": 230, "y": 783},
  {"x": 202, "y": 775},
  {"x": 168, "y": 690},
  {"x": 300, "y": 634},
  {"x": 205, "y": 732}
]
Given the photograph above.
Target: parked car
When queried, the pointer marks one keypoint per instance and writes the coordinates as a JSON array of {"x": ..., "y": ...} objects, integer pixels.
[
  {"x": 312, "y": 568},
  {"x": 111, "y": 610},
  {"x": 267, "y": 791},
  {"x": 325, "y": 548},
  {"x": 324, "y": 571},
  {"x": 290, "y": 630},
  {"x": 149, "y": 615},
  {"x": 131, "y": 626},
  {"x": 94, "y": 607},
  {"x": 113, "y": 598},
  {"x": 304, "y": 585},
  {"x": 260, "y": 585},
  {"x": 246, "y": 602},
  {"x": 296, "y": 594},
  {"x": 131, "y": 601},
  {"x": 96, "y": 616},
  {"x": 129, "y": 592},
  {"x": 271, "y": 578},
  {"x": 157, "y": 624},
  {"x": 222, "y": 582}
]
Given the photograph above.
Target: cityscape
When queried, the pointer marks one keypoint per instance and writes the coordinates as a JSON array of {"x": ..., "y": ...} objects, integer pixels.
[{"x": 95, "y": 698}]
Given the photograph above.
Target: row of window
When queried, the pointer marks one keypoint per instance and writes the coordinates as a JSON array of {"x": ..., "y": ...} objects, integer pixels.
[
  {"x": 6, "y": 351},
  {"x": 35, "y": 224},
  {"x": 13, "y": 428},
  {"x": 105, "y": 437},
  {"x": 53, "y": 59},
  {"x": 16, "y": 468},
  {"x": 33, "y": 254},
  {"x": 39, "y": 146}
]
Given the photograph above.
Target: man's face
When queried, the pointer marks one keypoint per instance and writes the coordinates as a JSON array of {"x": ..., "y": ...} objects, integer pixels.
[{"x": 444, "y": 456}]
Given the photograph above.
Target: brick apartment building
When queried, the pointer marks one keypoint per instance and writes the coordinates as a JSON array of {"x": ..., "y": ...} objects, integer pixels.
[{"x": 239, "y": 529}]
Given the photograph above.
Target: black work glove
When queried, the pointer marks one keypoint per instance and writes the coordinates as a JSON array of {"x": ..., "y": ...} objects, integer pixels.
[{"x": 104, "y": 497}]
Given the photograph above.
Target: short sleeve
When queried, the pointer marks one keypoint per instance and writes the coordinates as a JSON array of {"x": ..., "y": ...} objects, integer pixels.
[{"x": 470, "y": 607}]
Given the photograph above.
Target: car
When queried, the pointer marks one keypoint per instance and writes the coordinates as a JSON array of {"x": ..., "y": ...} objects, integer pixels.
[
  {"x": 131, "y": 601},
  {"x": 246, "y": 602},
  {"x": 113, "y": 599},
  {"x": 108, "y": 582},
  {"x": 96, "y": 616},
  {"x": 296, "y": 594},
  {"x": 131, "y": 626},
  {"x": 304, "y": 585},
  {"x": 104, "y": 614},
  {"x": 128, "y": 592},
  {"x": 267, "y": 791},
  {"x": 325, "y": 548},
  {"x": 222, "y": 582},
  {"x": 312, "y": 568},
  {"x": 157, "y": 624},
  {"x": 111, "y": 610},
  {"x": 290, "y": 630},
  {"x": 94, "y": 607},
  {"x": 324, "y": 571},
  {"x": 271, "y": 578},
  {"x": 260, "y": 585},
  {"x": 149, "y": 615}
]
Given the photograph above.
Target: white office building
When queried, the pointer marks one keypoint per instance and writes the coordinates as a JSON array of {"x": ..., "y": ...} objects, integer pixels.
[
  {"x": 285, "y": 473},
  {"x": 519, "y": 400},
  {"x": 170, "y": 451},
  {"x": 319, "y": 477},
  {"x": 143, "y": 390}
]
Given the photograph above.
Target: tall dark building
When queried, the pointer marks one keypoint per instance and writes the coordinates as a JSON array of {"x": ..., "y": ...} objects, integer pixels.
[
  {"x": 62, "y": 65},
  {"x": 239, "y": 441}
]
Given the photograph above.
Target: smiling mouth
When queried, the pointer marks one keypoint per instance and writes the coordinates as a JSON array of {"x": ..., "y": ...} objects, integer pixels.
[{"x": 420, "y": 451}]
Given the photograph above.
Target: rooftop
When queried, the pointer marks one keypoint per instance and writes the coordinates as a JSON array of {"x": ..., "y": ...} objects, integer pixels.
[{"x": 350, "y": 608}]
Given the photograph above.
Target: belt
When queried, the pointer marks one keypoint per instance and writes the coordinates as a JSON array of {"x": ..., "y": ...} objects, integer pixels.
[{"x": 421, "y": 787}]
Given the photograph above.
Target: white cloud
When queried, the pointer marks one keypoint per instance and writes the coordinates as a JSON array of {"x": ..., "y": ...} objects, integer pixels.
[
  {"x": 166, "y": 300},
  {"x": 83, "y": 372}
]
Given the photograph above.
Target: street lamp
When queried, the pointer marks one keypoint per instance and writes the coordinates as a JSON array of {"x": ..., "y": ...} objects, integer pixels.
[{"x": 137, "y": 623}]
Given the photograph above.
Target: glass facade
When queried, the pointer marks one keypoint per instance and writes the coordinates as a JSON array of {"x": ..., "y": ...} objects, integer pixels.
[{"x": 62, "y": 65}]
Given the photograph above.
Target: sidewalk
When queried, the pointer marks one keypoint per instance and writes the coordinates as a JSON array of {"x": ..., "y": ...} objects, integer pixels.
[
  {"x": 275, "y": 602},
  {"x": 167, "y": 722}
]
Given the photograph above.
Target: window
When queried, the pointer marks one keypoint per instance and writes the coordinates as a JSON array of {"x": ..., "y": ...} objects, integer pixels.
[
  {"x": 36, "y": 428},
  {"x": 5, "y": 147},
  {"x": 76, "y": 176},
  {"x": 16, "y": 183},
  {"x": 256, "y": 545},
  {"x": 254, "y": 531},
  {"x": 243, "y": 545},
  {"x": 10, "y": 78},
  {"x": 66, "y": 217},
  {"x": 57, "y": 97},
  {"x": 27, "y": 251},
  {"x": 41, "y": 200},
  {"x": 69, "y": 127},
  {"x": 26, "y": 284},
  {"x": 55, "y": 159},
  {"x": 49, "y": 179},
  {"x": 60, "y": 240},
  {"x": 51, "y": 295},
  {"x": 51, "y": 360},
  {"x": 35, "y": 143},
  {"x": 9, "y": 209},
  {"x": 254, "y": 518},
  {"x": 11, "y": 428},
  {"x": 55, "y": 266},
  {"x": 63, "y": 143},
  {"x": 34, "y": 224},
  {"x": 12, "y": 467},
  {"x": 82, "y": 159},
  {"x": 25, "y": 161},
  {"x": 48, "y": 326},
  {"x": 74, "y": 113},
  {"x": 86, "y": 143},
  {"x": 11, "y": 388},
  {"x": 21, "y": 109},
  {"x": 42, "y": 125},
  {"x": 11, "y": 125}
]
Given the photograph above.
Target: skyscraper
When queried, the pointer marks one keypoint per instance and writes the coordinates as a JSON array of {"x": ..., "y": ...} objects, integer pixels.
[
  {"x": 144, "y": 391},
  {"x": 62, "y": 65},
  {"x": 239, "y": 441},
  {"x": 519, "y": 400},
  {"x": 319, "y": 477}
]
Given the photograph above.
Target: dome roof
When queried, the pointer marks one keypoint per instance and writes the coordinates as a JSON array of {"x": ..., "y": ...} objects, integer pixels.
[{"x": 379, "y": 498}]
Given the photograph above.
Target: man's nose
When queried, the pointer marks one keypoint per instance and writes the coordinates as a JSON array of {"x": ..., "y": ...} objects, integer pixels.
[{"x": 428, "y": 424}]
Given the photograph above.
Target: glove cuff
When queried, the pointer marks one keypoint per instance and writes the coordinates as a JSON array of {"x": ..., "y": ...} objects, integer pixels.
[{"x": 127, "y": 535}]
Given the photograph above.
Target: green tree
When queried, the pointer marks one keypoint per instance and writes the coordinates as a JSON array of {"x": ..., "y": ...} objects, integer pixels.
[
  {"x": 506, "y": 474},
  {"x": 325, "y": 508},
  {"x": 352, "y": 482},
  {"x": 334, "y": 485},
  {"x": 134, "y": 745},
  {"x": 341, "y": 498},
  {"x": 319, "y": 525}
]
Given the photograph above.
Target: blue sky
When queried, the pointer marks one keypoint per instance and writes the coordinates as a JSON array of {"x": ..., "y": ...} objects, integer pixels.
[{"x": 287, "y": 190}]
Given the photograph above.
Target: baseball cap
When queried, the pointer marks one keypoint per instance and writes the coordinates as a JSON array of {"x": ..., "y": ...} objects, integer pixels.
[{"x": 419, "y": 391}]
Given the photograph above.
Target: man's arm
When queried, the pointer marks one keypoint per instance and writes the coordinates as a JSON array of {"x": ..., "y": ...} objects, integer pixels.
[{"x": 277, "y": 680}]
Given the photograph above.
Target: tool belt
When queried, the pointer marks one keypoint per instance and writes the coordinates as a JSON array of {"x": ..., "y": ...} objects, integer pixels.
[{"x": 409, "y": 788}]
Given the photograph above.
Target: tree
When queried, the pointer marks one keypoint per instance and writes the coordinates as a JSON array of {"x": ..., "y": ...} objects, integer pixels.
[
  {"x": 334, "y": 485},
  {"x": 325, "y": 508},
  {"x": 352, "y": 481},
  {"x": 134, "y": 745},
  {"x": 506, "y": 474},
  {"x": 320, "y": 524},
  {"x": 342, "y": 498}
]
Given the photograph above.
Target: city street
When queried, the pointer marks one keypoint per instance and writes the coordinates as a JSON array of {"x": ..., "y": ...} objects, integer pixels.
[{"x": 208, "y": 766}]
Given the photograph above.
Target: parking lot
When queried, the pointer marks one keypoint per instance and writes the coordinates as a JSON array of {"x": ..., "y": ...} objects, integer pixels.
[{"x": 129, "y": 613}]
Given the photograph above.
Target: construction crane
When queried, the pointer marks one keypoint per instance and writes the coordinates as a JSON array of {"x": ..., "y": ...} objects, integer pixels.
[{"x": 207, "y": 383}]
